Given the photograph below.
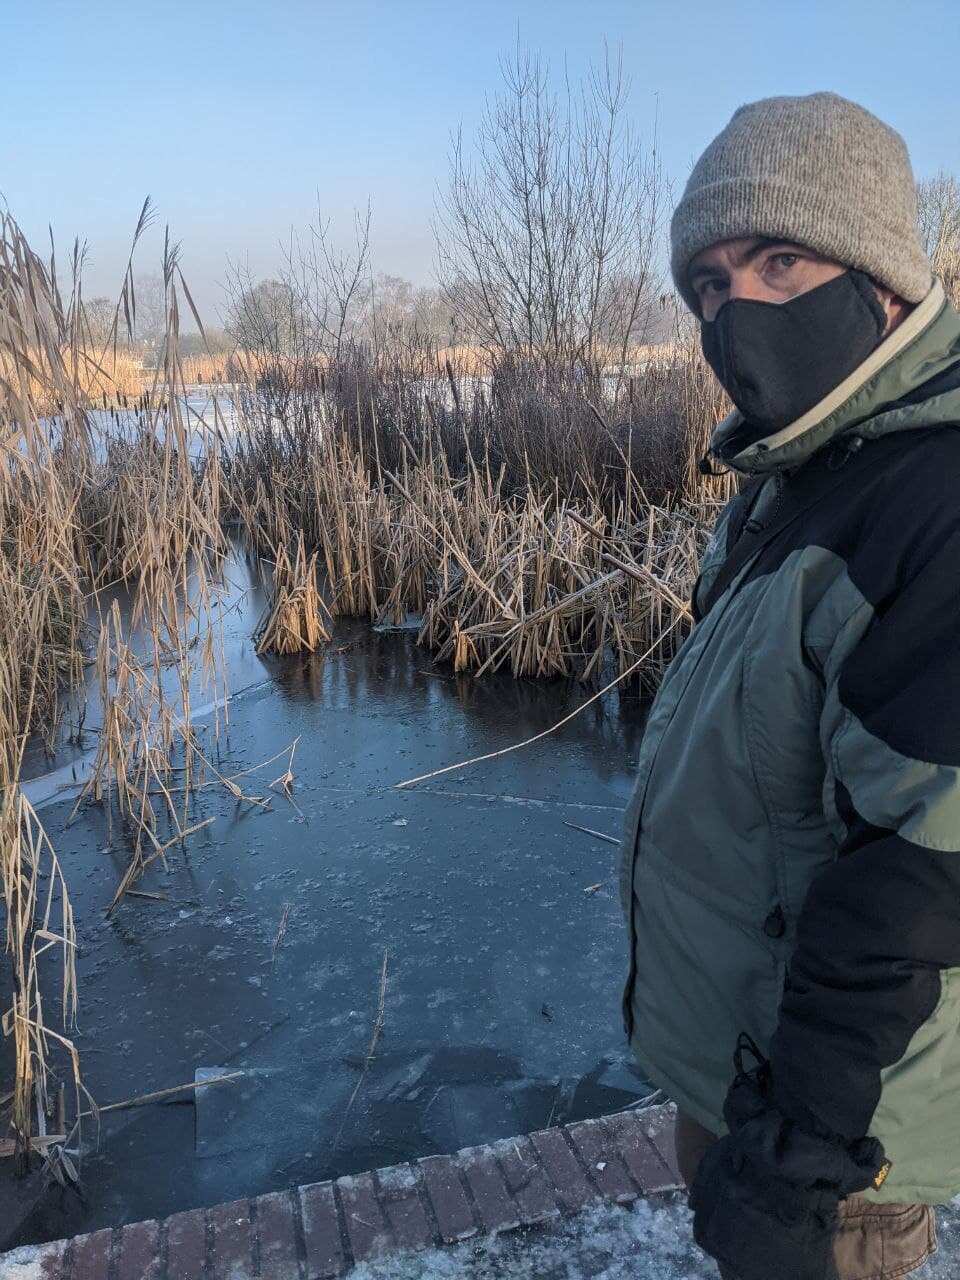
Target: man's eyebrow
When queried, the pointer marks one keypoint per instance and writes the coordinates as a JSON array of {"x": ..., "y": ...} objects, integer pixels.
[
  {"x": 762, "y": 245},
  {"x": 703, "y": 270}
]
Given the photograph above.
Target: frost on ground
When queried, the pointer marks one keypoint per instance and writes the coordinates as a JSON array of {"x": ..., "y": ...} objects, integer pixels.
[
  {"x": 23, "y": 1264},
  {"x": 647, "y": 1241},
  {"x": 643, "y": 1242}
]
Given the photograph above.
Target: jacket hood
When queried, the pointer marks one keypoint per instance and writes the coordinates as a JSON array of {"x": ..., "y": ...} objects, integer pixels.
[{"x": 905, "y": 384}]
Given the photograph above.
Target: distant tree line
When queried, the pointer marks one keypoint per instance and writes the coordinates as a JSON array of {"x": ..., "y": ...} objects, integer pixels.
[
  {"x": 550, "y": 248},
  {"x": 939, "y": 212},
  {"x": 548, "y": 244}
]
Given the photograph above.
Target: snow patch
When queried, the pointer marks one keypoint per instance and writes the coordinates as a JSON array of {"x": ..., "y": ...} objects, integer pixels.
[
  {"x": 607, "y": 1242},
  {"x": 26, "y": 1263},
  {"x": 397, "y": 1177},
  {"x": 649, "y": 1240}
]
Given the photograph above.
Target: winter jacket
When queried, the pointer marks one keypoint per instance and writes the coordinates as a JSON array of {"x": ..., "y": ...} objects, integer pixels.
[{"x": 791, "y": 859}]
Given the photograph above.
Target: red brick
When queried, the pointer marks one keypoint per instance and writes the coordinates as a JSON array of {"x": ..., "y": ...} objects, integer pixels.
[
  {"x": 139, "y": 1253},
  {"x": 572, "y": 1188},
  {"x": 659, "y": 1124},
  {"x": 277, "y": 1237},
  {"x": 321, "y": 1231},
  {"x": 527, "y": 1181},
  {"x": 513, "y": 1182},
  {"x": 399, "y": 1196},
  {"x": 639, "y": 1154},
  {"x": 366, "y": 1228},
  {"x": 49, "y": 1258},
  {"x": 497, "y": 1208},
  {"x": 604, "y": 1166},
  {"x": 447, "y": 1196},
  {"x": 231, "y": 1255},
  {"x": 91, "y": 1256},
  {"x": 186, "y": 1245}
]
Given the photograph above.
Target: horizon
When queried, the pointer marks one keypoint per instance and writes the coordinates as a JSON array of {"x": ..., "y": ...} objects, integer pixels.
[{"x": 243, "y": 125}]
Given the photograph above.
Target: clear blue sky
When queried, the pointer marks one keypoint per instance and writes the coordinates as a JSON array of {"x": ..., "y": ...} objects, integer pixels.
[{"x": 233, "y": 116}]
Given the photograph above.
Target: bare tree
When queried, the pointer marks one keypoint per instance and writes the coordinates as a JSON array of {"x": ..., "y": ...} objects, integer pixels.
[
  {"x": 99, "y": 314},
  {"x": 402, "y": 316},
  {"x": 331, "y": 283},
  {"x": 548, "y": 231},
  {"x": 938, "y": 205},
  {"x": 316, "y": 302},
  {"x": 432, "y": 317},
  {"x": 150, "y": 325},
  {"x": 268, "y": 318},
  {"x": 212, "y": 341},
  {"x": 271, "y": 326},
  {"x": 391, "y": 309},
  {"x": 296, "y": 329}
]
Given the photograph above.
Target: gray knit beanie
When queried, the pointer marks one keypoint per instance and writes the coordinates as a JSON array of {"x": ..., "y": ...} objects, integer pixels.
[{"x": 819, "y": 171}]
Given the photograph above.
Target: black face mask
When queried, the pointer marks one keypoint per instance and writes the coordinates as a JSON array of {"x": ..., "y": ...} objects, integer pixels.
[{"x": 776, "y": 360}]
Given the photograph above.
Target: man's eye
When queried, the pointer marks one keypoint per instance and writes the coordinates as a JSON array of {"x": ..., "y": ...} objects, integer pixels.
[
  {"x": 785, "y": 260},
  {"x": 715, "y": 286}
]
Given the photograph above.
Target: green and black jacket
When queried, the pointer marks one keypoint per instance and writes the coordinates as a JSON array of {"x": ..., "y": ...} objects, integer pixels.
[{"x": 791, "y": 863}]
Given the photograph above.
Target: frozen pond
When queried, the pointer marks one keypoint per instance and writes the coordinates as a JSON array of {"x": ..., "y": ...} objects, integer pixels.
[{"x": 500, "y": 925}]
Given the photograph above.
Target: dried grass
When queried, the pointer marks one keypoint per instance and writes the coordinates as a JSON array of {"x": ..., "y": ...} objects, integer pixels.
[
  {"x": 294, "y": 621},
  {"x": 87, "y": 500},
  {"x": 205, "y": 370},
  {"x": 531, "y": 581},
  {"x": 39, "y": 920}
]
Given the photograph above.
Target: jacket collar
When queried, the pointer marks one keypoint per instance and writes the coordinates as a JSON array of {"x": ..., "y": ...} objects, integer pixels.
[{"x": 868, "y": 401}]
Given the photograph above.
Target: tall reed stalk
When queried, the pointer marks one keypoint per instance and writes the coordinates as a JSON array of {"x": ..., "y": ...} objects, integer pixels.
[{"x": 90, "y": 499}]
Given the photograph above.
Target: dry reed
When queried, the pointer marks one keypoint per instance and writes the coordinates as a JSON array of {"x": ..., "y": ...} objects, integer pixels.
[
  {"x": 531, "y": 580},
  {"x": 294, "y": 621},
  {"x": 87, "y": 499}
]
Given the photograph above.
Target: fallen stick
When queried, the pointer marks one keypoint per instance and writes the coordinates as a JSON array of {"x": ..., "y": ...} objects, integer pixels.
[
  {"x": 8, "y": 1146},
  {"x": 590, "y": 832},
  {"x": 642, "y": 574},
  {"x": 377, "y": 1028},
  {"x": 639, "y": 572},
  {"x": 162, "y": 1093},
  {"x": 281, "y": 931},
  {"x": 492, "y": 755}
]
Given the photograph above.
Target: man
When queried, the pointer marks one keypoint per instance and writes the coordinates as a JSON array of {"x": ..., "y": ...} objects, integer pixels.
[{"x": 791, "y": 865}]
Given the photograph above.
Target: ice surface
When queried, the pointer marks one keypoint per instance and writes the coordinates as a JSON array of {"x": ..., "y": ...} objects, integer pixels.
[
  {"x": 231, "y": 1115},
  {"x": 501, "y": 1003}
]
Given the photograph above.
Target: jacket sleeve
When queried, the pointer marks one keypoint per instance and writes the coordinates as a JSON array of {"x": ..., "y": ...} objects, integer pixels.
[{"x": 882, "y": 923}]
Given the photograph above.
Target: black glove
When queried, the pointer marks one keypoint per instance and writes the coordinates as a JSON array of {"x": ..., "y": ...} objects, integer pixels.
[{"x": 765, "y": 1197}]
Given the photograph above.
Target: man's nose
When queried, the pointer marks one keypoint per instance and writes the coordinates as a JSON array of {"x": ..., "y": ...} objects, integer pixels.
[{"x": 747, "y": 286}]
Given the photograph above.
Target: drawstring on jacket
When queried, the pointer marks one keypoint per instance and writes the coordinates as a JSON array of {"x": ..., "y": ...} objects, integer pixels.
[
  {"x": 755, "y": 524},
  {"x": 706, "y": 467},
  {"x": 761, "y": 1072},
  {"x": 757, "y": 511},
  {"x": 843, "y": 450}
]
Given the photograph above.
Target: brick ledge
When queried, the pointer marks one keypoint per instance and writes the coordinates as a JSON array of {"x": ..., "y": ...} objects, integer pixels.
[{"x": 318, "y": 1232}]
